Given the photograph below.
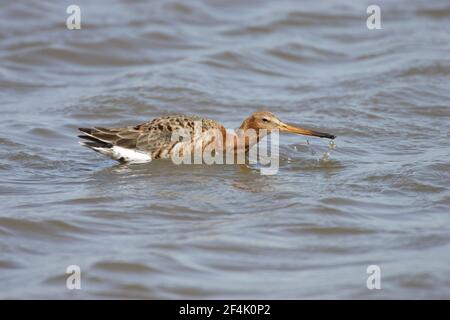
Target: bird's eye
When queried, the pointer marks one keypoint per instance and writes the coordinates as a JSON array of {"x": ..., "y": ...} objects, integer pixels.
[{"x": 265, "y": 120}]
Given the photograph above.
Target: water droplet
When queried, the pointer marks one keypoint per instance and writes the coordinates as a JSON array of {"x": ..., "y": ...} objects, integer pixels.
[
  {"x": 326, "y": 156},
  {"x": 331, "y": 145}
]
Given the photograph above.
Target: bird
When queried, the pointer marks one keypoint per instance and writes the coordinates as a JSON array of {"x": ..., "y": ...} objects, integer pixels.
[{"x": 155, "y": 139}]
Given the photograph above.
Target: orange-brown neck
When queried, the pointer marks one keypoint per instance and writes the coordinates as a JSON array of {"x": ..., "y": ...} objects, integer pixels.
[
  {"x": 247, "y": 124},
  {"x": 250, "y": 131}
]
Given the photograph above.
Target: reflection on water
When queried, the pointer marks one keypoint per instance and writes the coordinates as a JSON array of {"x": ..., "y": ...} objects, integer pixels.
[{"x": 378, "y": 195}]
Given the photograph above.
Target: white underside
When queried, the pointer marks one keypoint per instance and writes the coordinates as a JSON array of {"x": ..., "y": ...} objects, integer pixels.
[{"x": 124, "y": 154}]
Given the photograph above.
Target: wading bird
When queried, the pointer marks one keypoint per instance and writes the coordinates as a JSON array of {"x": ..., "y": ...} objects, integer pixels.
[{"x": 155, "y": 139}]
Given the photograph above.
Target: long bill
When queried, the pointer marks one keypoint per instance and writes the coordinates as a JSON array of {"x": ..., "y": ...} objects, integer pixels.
[{"x": 288, "y": 128}]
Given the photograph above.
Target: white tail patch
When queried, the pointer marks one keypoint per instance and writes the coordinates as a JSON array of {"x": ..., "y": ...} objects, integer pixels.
[
  {"x": 122, "y": 154},
  {"x": 130, "y": 155}
]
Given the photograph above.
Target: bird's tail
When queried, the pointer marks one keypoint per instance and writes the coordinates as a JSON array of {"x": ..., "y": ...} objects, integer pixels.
[
  {"x": 91, "y": 141},
  {"x": 96, "y": 141}
]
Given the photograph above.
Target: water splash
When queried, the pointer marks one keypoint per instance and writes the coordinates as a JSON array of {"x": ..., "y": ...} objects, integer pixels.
[
  {"x": 327, "y": 155},
  {"x": 313, "y": 152}
]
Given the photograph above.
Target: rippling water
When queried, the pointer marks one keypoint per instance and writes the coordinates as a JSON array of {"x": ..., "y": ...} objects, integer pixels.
[{"x": 164, "y": 231}]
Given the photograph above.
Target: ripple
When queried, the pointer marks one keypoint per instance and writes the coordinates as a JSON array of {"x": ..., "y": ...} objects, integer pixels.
[
  {"x": 6, "y": 143},
  {"x": 293, "y": 19},
  {"x": 47, "y": 229},
  {"x": 77, "y": 56},
  {"x": 329, "y": 231},
  {"x": 434, "y": 69},
  {"x": 295, "y": 52},
  {"x": 123, "y": 266},
  {"x": 7, "y": 264},
  {"x": 439, "y": 13},
  {"x": 233, "y": 60}
]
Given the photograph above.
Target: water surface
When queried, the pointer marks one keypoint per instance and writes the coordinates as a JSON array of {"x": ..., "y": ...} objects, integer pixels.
[{"x": 161, "y": 231}]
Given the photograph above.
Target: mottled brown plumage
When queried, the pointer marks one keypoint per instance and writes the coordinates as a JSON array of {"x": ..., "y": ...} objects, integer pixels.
[{"x": 152, "y": 137}]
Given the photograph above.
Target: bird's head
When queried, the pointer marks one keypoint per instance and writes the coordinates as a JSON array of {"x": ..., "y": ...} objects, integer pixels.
[{"x": 268, "y": 121}]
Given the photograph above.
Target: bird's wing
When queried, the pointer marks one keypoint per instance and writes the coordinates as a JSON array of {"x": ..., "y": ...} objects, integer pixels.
[{"x": 153, "y": 137}]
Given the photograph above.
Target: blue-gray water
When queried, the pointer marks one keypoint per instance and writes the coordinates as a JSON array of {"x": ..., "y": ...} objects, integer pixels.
[{"x": 163, "y": 231}]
